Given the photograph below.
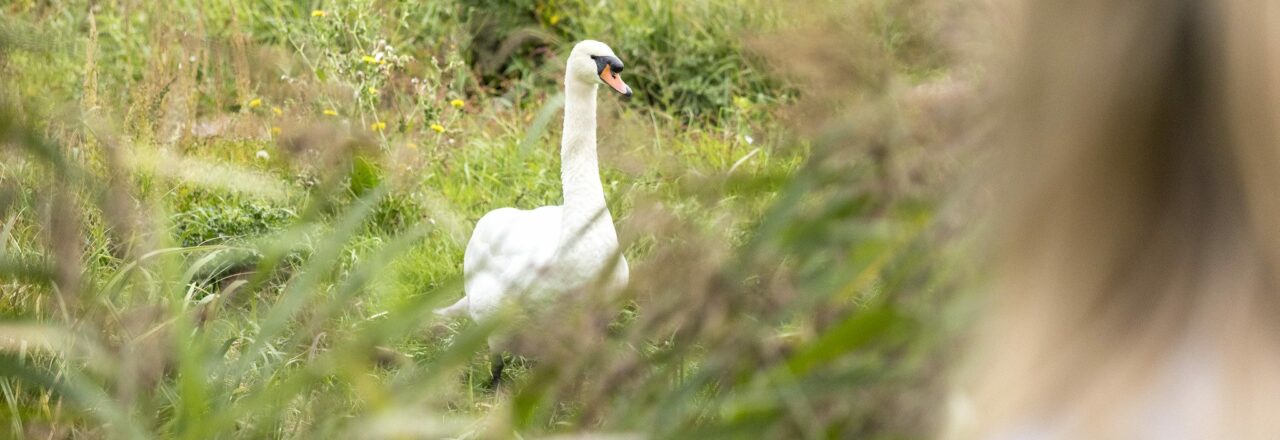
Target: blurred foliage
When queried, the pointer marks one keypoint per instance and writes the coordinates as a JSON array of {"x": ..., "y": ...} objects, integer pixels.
[{"x": 233, "y": 219}]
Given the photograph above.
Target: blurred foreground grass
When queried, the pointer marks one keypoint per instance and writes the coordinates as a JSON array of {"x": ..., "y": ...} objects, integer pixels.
[{"x": 232, "y": 219}]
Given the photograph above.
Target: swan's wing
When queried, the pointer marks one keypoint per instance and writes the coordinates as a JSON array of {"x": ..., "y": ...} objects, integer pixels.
[
  {"x": 509, "y": 236},
  {"x": 507, "y": 251}
]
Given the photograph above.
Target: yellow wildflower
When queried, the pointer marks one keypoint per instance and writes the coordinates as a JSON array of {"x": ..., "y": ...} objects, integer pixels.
[
  {"x": 275, "y": 131},
  {"x": 368, "y": 59},
  {"x": 555, "y": 18},
  {"x": 330, "y": 112},
  {"x": 277, "y": 111},
  {"x": 457, "y": 103},
  {"x": 373, "y": 90},
  {"x": 318, "y": 13},
  {"x": 378, "y": 126},
  {"x": 438, "y": 128},
  {"x": 255, "y": 103}
]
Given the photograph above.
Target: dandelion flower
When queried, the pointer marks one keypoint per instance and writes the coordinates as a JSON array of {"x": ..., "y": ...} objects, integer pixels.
[
  {"x": 373, "y": 90},
  {"x": 318, "y": 13},
  {"x": 438, "y": 128},
  {"x": 275, "y": 131},
  {"x": 262, "y": 155},
  {"x": 378, "y": 126},
  {"x": 457, "y": 103},
  {"x": 277, "y": 111},
  {"x": 255, "y": 103},
  {"x": 368, "y": 59},
  {"x": 330, "y": 112}
]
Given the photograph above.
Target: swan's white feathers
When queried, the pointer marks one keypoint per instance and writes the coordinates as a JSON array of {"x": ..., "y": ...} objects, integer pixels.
[
  {"x": 507, "y": 251},
  {"x": 551, "y": 250}
]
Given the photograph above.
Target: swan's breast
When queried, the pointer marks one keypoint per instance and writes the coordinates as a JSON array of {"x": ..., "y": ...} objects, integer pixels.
[{"x": 583, "y": 259}]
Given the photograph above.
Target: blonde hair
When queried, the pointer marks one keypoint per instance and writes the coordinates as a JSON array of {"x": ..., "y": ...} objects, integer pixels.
[{"x": 1139, "y": 251}]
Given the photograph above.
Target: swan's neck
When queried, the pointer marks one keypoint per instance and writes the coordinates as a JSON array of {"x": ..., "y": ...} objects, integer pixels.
[{"x": 584, "y": 206}]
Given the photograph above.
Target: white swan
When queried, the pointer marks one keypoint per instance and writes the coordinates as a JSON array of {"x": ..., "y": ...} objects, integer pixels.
[{"x": 553, "y": 249}]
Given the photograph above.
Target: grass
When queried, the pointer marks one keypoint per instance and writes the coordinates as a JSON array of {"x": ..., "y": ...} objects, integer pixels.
[{"x": 233, "y": 219}]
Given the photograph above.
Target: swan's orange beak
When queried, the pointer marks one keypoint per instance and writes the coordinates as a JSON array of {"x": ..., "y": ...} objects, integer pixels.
[{"x": 614, "y": 80}]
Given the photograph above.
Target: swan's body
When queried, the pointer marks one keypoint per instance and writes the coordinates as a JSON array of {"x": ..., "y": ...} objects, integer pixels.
[{"x": 553, "y": 250}]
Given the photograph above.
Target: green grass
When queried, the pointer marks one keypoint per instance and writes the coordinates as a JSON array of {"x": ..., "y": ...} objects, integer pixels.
[{"x": 160, "y": 277}]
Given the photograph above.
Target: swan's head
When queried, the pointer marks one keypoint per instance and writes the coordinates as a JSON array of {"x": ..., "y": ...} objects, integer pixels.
[{"x": 593, "y": 62}]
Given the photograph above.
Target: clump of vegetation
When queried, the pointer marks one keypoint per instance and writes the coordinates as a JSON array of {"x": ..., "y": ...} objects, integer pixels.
[
  {"x": 212, "y": 218},
  {"x": 234, "y": 219},
  {"x": 689, "y": 57}
]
